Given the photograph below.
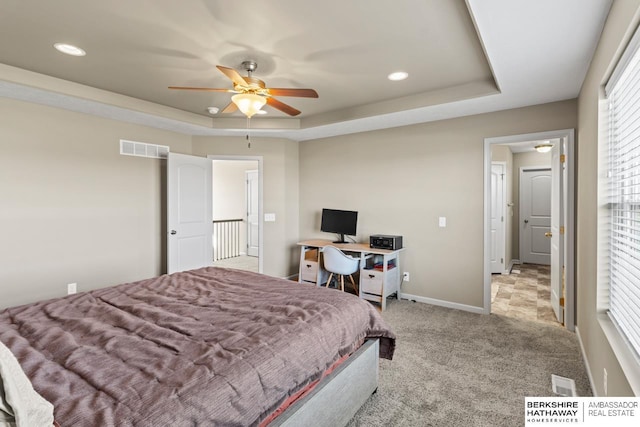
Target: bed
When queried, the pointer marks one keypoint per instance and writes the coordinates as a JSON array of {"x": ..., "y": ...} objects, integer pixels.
[{"x": 211, "y": 346}]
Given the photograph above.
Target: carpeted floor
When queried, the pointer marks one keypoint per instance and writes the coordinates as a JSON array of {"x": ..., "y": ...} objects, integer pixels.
[{"x": 454, "y": 368}]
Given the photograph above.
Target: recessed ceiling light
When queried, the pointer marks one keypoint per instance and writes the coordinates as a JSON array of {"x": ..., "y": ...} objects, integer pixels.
[
  {"x": 69, "y": 49},
  {"x": 398, "y": 75},
  {"x": 213, "y": 110}
]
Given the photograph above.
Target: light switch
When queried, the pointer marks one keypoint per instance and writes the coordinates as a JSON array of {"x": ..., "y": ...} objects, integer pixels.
[
  {"x": 442, "y": 221},
  {"x": 269, "y": 217}
]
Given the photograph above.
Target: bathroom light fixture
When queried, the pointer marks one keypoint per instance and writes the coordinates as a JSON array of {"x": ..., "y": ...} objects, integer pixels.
[
  {"x": 249, "y": 103},
  {"x": 397, "y": 76},
  {"x": 69, "y": 49},
  {"x": 544, "y": 148}
]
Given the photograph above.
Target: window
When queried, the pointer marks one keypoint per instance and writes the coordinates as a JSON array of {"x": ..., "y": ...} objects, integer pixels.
[{"x": 620, "y": 199}]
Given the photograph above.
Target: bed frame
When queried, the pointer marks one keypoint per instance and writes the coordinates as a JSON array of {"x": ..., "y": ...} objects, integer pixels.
[{"x": 339, "y": 396}]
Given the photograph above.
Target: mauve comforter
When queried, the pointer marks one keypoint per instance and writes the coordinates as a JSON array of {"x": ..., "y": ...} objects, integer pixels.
[{"x": 210, "y": 346}]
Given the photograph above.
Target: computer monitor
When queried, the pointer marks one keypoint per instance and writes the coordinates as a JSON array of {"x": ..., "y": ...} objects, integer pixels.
[{"x": 340, "y": 222}]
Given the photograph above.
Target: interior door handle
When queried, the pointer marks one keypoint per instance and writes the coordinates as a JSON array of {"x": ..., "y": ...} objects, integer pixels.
[
  {"x": 526, "y": 221},
  {"x": 174, "y": 232},
  {"x": 548, "y": 234}
]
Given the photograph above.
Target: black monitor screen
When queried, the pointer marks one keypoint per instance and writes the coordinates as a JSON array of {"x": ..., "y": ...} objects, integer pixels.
[{"x": 340, "y": 222}]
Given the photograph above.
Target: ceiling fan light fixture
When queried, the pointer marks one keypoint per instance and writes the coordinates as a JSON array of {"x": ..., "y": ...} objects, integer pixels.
[
  {"x": 249, "y": 103},
  {"x": 544, "y": 148}
]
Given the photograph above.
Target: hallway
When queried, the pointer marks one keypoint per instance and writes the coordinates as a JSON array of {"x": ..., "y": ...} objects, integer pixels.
[{"x": 524, "y": 294}]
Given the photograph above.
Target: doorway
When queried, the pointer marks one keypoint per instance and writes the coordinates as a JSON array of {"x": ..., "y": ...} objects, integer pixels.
[
  {"x": 563, "y": 142},
  {"x": 237, "y": 212}
]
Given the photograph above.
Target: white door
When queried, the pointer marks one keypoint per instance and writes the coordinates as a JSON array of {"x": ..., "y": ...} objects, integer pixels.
[
  {"x": 497, "y": 218},
  {"x": 189, "y": 219},
  {"x": 535, "y": 216},
  {"x": 253, "y": 230},
  {"x": 555, "y": 235}
]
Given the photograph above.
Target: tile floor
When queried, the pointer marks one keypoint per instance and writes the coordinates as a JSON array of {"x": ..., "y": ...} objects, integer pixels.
[{"x": 524, "y": 294}]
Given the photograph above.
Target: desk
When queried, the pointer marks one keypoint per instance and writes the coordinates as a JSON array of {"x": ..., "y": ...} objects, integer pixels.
[{"x": 379, "y": 268}]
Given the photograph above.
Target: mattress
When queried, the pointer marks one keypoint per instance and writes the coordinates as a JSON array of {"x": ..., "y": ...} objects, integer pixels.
[{"x": 210, "y": 346}]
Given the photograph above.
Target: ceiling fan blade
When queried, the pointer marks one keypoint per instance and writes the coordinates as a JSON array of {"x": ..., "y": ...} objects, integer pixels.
[
  {"x": 230, "y": 108},
  {"x": 282, "y": 106},
  {"x": 235, "y": 77},
  {"x": 301, "y": 93},
  {"x": 208, "y": 89}
]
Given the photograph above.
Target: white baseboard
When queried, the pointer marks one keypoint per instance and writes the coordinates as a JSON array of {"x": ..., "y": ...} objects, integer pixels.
[
  {"x": 291, "y": 276},
  {"x": 586, "y": 364},
  {"x": 442, "y": 303}
]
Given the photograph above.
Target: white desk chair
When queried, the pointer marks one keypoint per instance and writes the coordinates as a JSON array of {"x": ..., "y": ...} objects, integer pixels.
[{"x": 336, "y": 262}]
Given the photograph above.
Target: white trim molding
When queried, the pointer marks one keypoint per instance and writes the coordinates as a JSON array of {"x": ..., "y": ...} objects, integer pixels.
[
  {"x": 442, "y": 303},
  {"x": 586, "y": 364}
]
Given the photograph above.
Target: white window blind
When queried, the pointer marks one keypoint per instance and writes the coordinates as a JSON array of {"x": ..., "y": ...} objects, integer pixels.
[{"x": 623, "y": 194}]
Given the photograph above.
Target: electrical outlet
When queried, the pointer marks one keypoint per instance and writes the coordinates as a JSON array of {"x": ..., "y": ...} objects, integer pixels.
[
  {"x": 72, "y": 288},
  {"x": 604, "y": 381},
  {"x": 405, "y": 276}
]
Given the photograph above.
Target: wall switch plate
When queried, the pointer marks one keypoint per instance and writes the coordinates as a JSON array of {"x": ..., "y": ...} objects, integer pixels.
[
  {"x": 72, "y": 288},
  {"x": 269, "y": 217},
  {"x": 442, "y": 221}
]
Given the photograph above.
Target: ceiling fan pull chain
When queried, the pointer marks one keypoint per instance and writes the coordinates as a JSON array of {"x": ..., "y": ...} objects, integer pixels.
[{"x": 248, "y": 132}]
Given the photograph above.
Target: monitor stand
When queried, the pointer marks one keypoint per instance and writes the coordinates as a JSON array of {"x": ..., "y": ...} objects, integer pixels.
[{"x": 341, "y": 239}]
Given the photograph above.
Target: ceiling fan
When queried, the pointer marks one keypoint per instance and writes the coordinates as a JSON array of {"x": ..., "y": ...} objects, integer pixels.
[{"x": 252, "y": 93}]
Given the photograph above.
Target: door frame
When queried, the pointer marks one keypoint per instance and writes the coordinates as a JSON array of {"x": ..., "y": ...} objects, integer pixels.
[
  {"x": 259, "y": 159},
  {"x": 247, "y": 194},
  {"x": 524, "y": 169},
  {"x": 569, "y": 238},
  {"x": 503, "y": 213}
]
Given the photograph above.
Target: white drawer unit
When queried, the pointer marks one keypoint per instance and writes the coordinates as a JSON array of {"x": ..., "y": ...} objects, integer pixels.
[
  {"x": 380, "y": 277},
  {"x": 371, "y": 281},
  {"x": 309, "y": 271}
]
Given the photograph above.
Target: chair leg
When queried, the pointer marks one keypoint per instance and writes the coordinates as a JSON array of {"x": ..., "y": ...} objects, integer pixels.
[
  {"x": 355, "y": 287},
  {"x": 342, "y": 283},
  {"x": 328, "y": 280}
]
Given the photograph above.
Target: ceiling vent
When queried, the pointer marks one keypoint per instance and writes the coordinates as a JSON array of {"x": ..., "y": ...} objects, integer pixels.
[{"x": 142, "y": 149}]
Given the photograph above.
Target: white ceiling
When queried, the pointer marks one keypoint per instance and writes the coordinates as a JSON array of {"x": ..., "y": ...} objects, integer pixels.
[{"x": 462, "y": 57}]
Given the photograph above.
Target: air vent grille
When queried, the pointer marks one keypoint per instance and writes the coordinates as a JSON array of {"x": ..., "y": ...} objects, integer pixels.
[
  {"x": 142, "y": 149},
  {"x": 563, "y": 386}
]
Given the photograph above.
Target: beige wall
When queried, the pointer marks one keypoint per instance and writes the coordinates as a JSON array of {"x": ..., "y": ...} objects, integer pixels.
[
  {"x": 521, "y": 160},
  {"x": 622, "y": 21},
  {"x": 401, "y": 180},
  {"x": 72, "y": 208},
  {"x": 502, "y": 153},
  {"x": 280, "y": 193}
]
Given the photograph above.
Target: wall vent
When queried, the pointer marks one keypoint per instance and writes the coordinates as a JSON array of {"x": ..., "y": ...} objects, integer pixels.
[
  {"x": 142, "y": 149},
  {"x": 563, "y": 386}
]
